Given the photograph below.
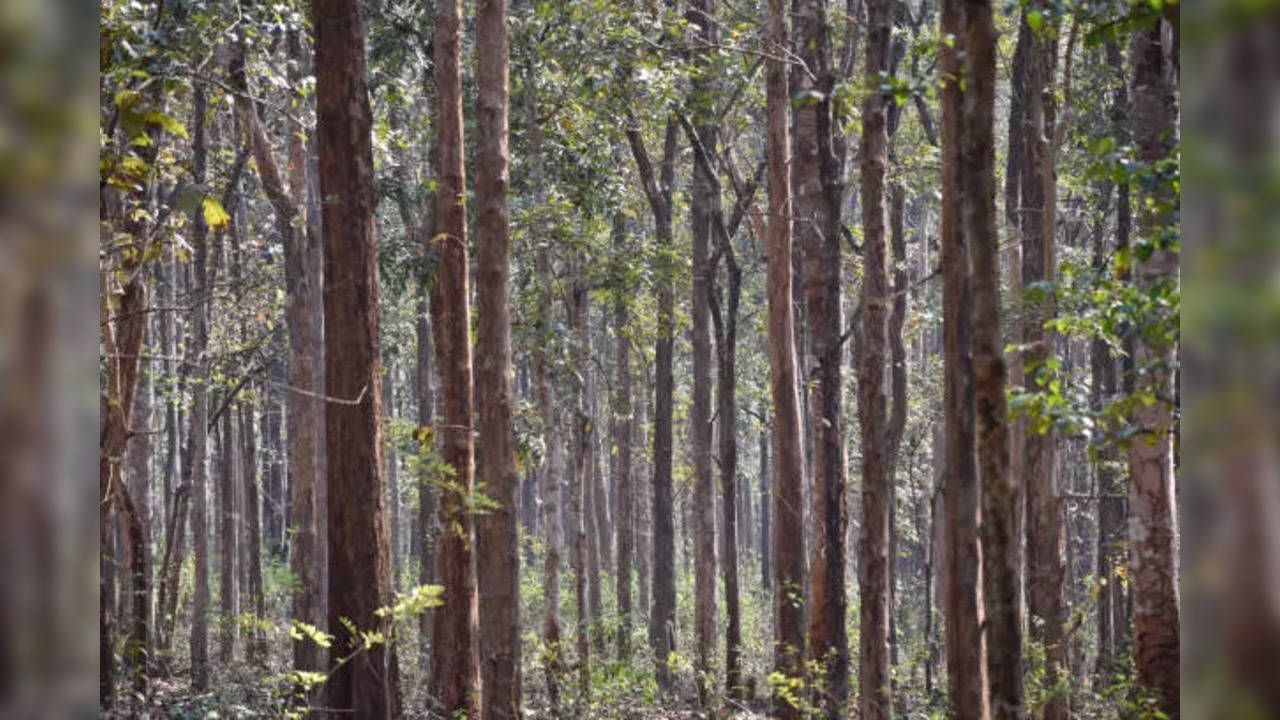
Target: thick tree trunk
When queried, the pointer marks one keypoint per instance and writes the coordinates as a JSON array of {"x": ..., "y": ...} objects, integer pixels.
[
  {"x": 877, "y": 486},
  {"x": 498, "y": 559},
  {"x": 1046, "y": 539},
  {"x": 358, "y": 562},
  {"x": 788, "y": 458},
  {"x": 1001, "y": 568},
  {"x": 816, "y": 183},
  {"x": 455, "y": 662},
  {"x": 960, "y": 577},
  {"x": 1152, "y": 525},
  {"x": 139, "y": 475}
]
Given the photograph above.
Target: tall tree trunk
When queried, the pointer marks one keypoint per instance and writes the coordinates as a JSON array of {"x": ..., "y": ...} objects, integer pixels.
[
  {"x": 549, "y": 479},
  {"x": 702, "y": 197},
  {"x": 139, "y": 457},
  {"x": 228, "y": 531},
  {"x": 455, "y": 661},
  {"x": 498, "y": 559},
  {"x": 658, "y": 191},
  {"x": 766, "y": 506},
  {"x": 578, "y": 311},
  {"x": 1152, "y": 525},
  {"x": 727, "y": 422},
  {"x": 1001, "y": 568},
  {"x": 256, "y": 596},
  {"x": 622, "y": 429},
  {"x": 960, "y": 579},
  {"x": 393, "y": 471},
  {"x": 197, "y": 468},
  {"x": 427, "y": 529},
  {"x": 877, "y": 486},
  {"x": 358, "y": 553},
  {"x": 788, "y": 457},
  {"x": 817, "y": 187},
  {"x": 1046, "y": 539}
]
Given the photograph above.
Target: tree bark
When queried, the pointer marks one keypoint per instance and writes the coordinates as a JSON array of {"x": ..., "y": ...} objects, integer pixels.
[
  {"x": 358, "y": 562},
  {"x": 622, "y": 429},
  {"x": 1046, "y": 539},
  {"x": 877, "y": 486},
  {"x": 455, "y": 662},
  {"x": 1152, "y": 503},
  {"x": 248, "y": 443},
  {"x": 788, "y": 458},
  {"x": 498, "y": 560}
]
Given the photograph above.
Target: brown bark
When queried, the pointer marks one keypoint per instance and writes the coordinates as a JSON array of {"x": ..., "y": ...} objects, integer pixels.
[
  {"x": 1000, "y": 557},
  {"x": 366, "y": 681},
  {"x": 877, "y": 486},
  {"x": 960, "y": 578},
  {"x": 622, "y": 430},
  {"x": 455, "y": 662},
  {"x": 816, "y": 183},
  {"x": 1152, "y": 527},
  {"x": 1046, "y": 539},
  {"x": 498, "y": 561},
  {"x": 788, "y": 457},
  {"x": 578, "y": 311},
  {"x": 197, "y": 469}
]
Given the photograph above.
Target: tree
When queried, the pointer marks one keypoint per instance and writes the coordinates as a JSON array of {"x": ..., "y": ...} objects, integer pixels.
[
  {"x": 877, "y": 485},
  {"x": 498, "y": 560},
  {"x": 455, "y": 661},
  {"x": 1046, "y": 539},
  {"x": 622, "y": 429},
  {"x": 1152, "y": 527},
  {"x": 815, "y": 179},
  {"x": 788, "y": 460},
  {"x": 657, "y": 189},
  {"x": 1001, "y": 568},
  {"x": 359, "y": 572},
  {"x": 702, "y": 201}
]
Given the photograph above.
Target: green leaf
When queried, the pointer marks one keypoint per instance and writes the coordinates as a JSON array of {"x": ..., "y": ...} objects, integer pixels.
[{"x": 1035, "y": 19}]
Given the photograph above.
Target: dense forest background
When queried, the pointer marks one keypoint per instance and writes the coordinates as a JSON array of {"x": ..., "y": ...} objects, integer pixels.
[{"x": 605, "y": 360}]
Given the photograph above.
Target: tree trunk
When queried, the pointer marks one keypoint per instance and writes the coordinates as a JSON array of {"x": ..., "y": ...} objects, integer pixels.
[
  {"x": 578, "y": 311},
  {"x": 788, "y": 458},
  {"x": 960, "y": 577},
  {"x": 358, "y": 562},
  {"x": 197, "y": 469},
  {"x": 455, "y": 662},
  {"x": 1001, "y": 568},
  {"x": 1046, "y": 539},
  {"x": 427, "y": 530},
  {"x": 877, "y": 486},
  {"x": 228, "y": 585},
  {"x": 766, "y": 506},
  {"x": 139, "y": 457},
  {"x": 1152, "y": 525},
  {"x": 816, "y": 182},
  {"x": 622, "y": 429},
  {"x": 658, "y": 192},
  {"x": 702, "y": 197},
  {"x": 498, "y": 559},
  {"x": 257, "y": 640}
]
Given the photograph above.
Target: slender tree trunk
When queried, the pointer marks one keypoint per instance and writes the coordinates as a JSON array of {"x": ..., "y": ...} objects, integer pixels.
[
  {"x": 197, "y": 469},
  {"x": 578, "y": 311},
  {"x": 727, "y": 419},
  {"x": 702, "y": 197},
  {"x": 427, "y": 529},
  {"x": 228, "y": 585},
  {"x": 766, "y": 506},
  {"x": 256, "y": 596},
  {"x": 455, "y": 663},
  {"x": 139, "y": 457},
  {"x": 1152, "y": 502},
  {"x": 877, "y": 486},
  {"x": 550, "y": 484},
  {"x": 658, "y": 192},
  {"x": 788, "y": 458},
  {"x": 622, "y": 429},
  {"x": 358, "y": 553}
]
